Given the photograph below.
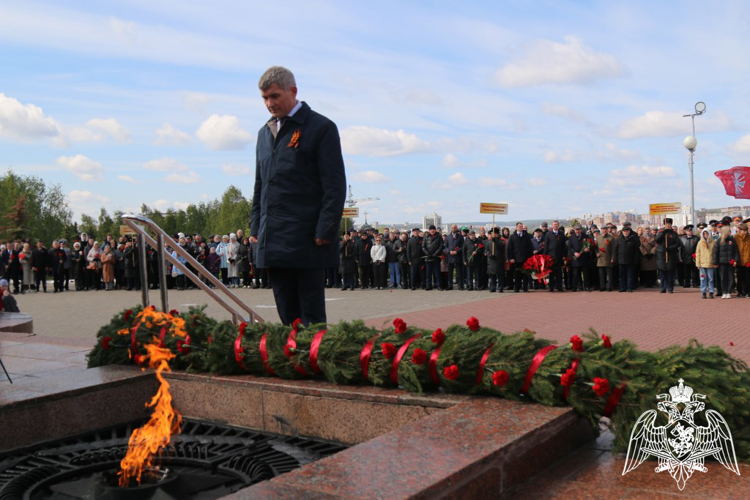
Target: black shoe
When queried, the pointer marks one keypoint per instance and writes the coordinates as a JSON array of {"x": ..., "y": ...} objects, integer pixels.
[
  {"x": 551, "y": 290},
  {"x": 670, "y": 291},
  {"x": 622, "y": 291},
  {"x": 630, "y": 291},
  {"x": 492, "y": 291},
  {"x": 711, "y": 295},
  {"x": 704, "y": 295},
  {"x": 663, "y": 291}
]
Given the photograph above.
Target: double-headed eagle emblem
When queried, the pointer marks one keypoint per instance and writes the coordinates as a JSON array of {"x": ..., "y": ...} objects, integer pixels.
[{"x": 681, "y": 446}]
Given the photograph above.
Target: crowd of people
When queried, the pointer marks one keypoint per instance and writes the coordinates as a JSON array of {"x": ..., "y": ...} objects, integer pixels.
[{"x": 713, "y": 256}]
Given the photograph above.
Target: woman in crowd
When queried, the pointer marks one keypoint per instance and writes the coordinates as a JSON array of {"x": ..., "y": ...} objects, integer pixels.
[
  {"x": 221, "y": 251},
  {"x": 233, "y": 249},
  {"x": 648, "y": 257},
  {"x": 725, "y": 255},
  {"x": 108, "y": 268},
  {"x": 94, "y": 260},
  {"x": 177, "y": 273},
  {"x": 380, "y": 268},
  {"x": 79, "y": 265},
  {"x": 348, "y": 263},
  {"x": 704, "y": 261},
  {"x": 243, "y": 262},
  {"x": 28, "y": 268}
]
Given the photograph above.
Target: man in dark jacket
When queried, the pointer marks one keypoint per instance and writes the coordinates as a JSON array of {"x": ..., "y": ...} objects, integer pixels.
[
  {"x": 579, "y": 251},
  {"x": 414, "y": 255},
  {"x": 403, "y": 260},
  {"x": 15, "y": 271},
  {"x": 473, "y": 252},
  {"x": 627, "y": 248},
  {"x": 40, "y": 262},
  {"x": 298, "y": 200},
  {"x": 519, "y": 250},
  {"x": 494, "y": 250},
  {"x": 363, "y": 258},
  {"x": 555, "y": 246},
  {"x": 392, "y": 248},
  {"x": 57, "y": 258},
  {"x": 454, "y": 243},
  {"x": 689, "y": 271},
  {"x": 432, "y": 247},
  {"x": 348, "y": 253},
  {"x": 667, "y": 255}
]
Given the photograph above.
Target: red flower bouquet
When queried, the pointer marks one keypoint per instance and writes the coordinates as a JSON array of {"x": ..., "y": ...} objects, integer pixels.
[
  {"x": 601, "y": 386},
  {"x": 473, "y": 324},
  {"x": 438, "y": 336},
  {"x": 539, "y": 266},
  {"x": 451, "y": 372},
  {"x": 418, "y": 357}
]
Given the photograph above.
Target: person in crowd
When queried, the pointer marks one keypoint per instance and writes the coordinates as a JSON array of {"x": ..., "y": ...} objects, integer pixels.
[
  {"x": 40, "y": 263},
  {"x": 725, "y": 255},
  {"x": 667, "y": 255},
  {"x": 626, "y": 251},
  {"x": 687, "y": 252},
  {"x": 444, "y": 264},
  {"x": 392, "y": 247},
  {"x": 482, "y": 279},
  {"x": 348, "y": 251},
  {"x": 495, "y": 252},
  {"x": 221, "y": 251},
  {"x": 704, "y": 259},
  {"x": 152, "y": 267},
  {"x": 579, "y": 251},
  {"x": 454, "y": 243},
  {"x": 177, "y": 273},
  {"x": 67, "y": 265},
  {"x": 472, "y": 255},
  {"x": 604, "y": 259},
  {"x": 213, "y": 263},
  {"x": 519, "y": 250},
  {"x": 233, "y": 249},
  {"x": 108, "y": 267},
  {"x": 8, "y": 303},
  {"x": 132, "y": 276},
  {"x": 91, "y": 275},
  {"x": 537, "y": 247},
  {"x": 243, "y": 259},
  {"x": 15, "y": 271},
  {"x": 57, "y": 258},
  {"x": 414, "y": 255},
  {"x": 742, "y": 240},
  {"x": 94, "y": 260},
  {"x": 378, "y": 255},
  {"x": 79, "y": 266},
  {"x": 27, "y": 267},
  {"x": 403, "y": 260},
  {"x": 647, "y": 258},
  {"x": 555, "y": 245},
  {"x": 432, "y": 249},
  {"x": 364, "y": 260}
]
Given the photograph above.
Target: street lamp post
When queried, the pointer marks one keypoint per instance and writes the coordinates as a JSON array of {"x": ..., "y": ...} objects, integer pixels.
[{"x": 691, "y": 143}]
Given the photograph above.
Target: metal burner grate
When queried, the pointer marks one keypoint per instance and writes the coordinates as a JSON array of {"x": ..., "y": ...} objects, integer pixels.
[{"x": 205, "y": 461}]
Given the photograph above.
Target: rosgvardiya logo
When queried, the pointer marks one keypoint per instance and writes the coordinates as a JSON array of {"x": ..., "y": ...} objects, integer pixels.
[{"x": 681, "y": 446}]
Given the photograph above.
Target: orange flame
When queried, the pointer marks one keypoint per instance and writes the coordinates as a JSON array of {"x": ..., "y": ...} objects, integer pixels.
[{"x": 146, "y": 442}]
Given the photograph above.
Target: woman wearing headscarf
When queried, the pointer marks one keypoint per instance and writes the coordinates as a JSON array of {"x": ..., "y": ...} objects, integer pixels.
[
  {"x": 79, "y": 265},
  {"x": 28, "y": 268},
  {"x": 704, "y": 261},
  {"x": 221, "y": 251},
  {"x": 108, "y": 268},
  {"x": 233, "y": 250},
  {"x": 94, "y": 259}
]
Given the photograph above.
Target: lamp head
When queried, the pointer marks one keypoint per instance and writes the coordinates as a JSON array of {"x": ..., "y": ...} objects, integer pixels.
[
  {"x": 690, "y": 143},
  {"x": 700, "y": 107}
]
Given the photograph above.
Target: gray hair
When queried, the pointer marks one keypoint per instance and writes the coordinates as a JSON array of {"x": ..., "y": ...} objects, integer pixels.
[{"x": 278, "y": 75}]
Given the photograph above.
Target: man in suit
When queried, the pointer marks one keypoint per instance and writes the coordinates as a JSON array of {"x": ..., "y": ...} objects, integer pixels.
[
  {"x": 519, "y": 250},
  {"x": 432, "y": 248},
  {"x": 300, "y": 188},
  {"x": 555, "y": 246},
  {"x": 579, "y": 249},
  {"x": 454, "y": 243}
]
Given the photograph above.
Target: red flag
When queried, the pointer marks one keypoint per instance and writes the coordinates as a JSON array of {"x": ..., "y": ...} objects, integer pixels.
[{"x": 736, "y": 181}]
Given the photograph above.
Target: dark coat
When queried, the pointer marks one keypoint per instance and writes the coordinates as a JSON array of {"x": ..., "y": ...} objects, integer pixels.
[
  {"x": 519, "y": 247},
  {"x": 300, "y": 187},
  {"x": 40, "y": 259},
  {"x": 537, "y": 246},
  {"x": 414, "y": 250},
  {"x": 495, "y": 252},
  {"x": 576, "y": 245},
  {"x": 689, "y": 244},
  {"x": 348, "y": 251},
  {"x": 668, "y": 246},
  {"x": 243, "y": 259},
  {"x": 400, "y": 248},
  {"x": 724, "y": 253},
  {"x": 432, "y": 247},
  {"x": 627, "y": 249},
  {"x": 471, "y": 246},
  {"x": 362, "y": 249},
  {"x": 454, "y": 243},
  {"x": 57, "y": 258}
]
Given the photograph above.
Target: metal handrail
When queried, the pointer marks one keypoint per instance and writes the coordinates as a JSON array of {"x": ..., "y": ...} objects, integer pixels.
[{"x": 132, "y": 220}]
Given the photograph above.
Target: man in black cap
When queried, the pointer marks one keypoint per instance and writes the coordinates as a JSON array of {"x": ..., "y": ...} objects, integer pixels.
[
  {"x": 364, "y": 260},
  {"x": 689, "y": 271},
  {"x": 454, "y": 243},
  {"x": 432, "y": 247},
  {"x": 519, "y": 250},
  {"x": 495, "y": 252},
  {"x": 414, "y": 256},
  {"x": 627, "y": 253},
  {"x": 555, "y": 246},
  {"x": 667, "y": 255},
  {"x": 579, "y": 250}
]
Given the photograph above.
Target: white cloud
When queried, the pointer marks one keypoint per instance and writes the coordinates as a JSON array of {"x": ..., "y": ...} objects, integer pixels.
[
  {"x": 188, "y": 178},
  {"x": 554, "y": 62},
  {"x": 165, "y": 165},
  {"x": 617, "y": 153},
  {"x": 637, "y": 175},
  {"x": 167, "y": 134},
  {"x": 742, "y": 145},
  {"x": 452, "y": 161},
  {"x": 563, "y": 111},
  {"x": 86, "y": 202},
  {"x": 668, "y": 124},
  {"x": 236, "y": 169},
  {"x": 368, "y": 141},
  {"x": 82, "y": 167},
  {"x": 181, "y": 205},
  {"x": 458, "y": 179},
  {"x": 371, "y": 177},
  {"x": 537, "y": 181},
  {"x": 163, "y": 205},
  {"x": 494, "y": 182},
  {"x": 610, "y": 152},
  {"x": 127, "y": 178},
  {"x": 25, "y": 121},
  {"x": 223, "y": 133},
  {"x": 566, "y": 156},
  {"x": 109, "y": 127}
]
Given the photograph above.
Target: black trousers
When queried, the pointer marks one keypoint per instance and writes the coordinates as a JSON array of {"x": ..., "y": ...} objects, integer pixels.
[
  {"x": 404, "y": 274},
  {"x": 299, "y": 293},
  {"x": 365, "y": 272},
  {"x": 459, "y": 267},
  {"x": 40, "y": 277},
  {"x": 59, "y": 280},
  {"x": 555, "y": 277},
  {"x": 520, "y": 279},
  {"x": 605, "y": 278},
  {"x": 414, "y": 274},
  {"x": 690, "y": 275},
  {"x": 348, "y": 281},
  {"x": 726, "y": 274},
  {"x": 576, "y": 282},
  {"x": 667, "y": 279},
  {"x": 743, "y": 280},
  {"x": 433, "y": 274},
  {"x": 471, "y": 276},
  {"x": 381, "y": 273}
]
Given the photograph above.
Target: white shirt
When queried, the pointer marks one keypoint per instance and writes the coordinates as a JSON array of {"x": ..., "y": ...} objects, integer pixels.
[{"x": 280, "y": 121}]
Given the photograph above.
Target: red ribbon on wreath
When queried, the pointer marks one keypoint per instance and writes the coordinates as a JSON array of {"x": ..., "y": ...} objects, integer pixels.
[
  {"x": 535, "y": 363},
  {"x": 613, "y": 400},
  {"x": 291, "y": 343},
  {"x": 364, "y": 357},
  {"x": 238, "y": 349},
  {"x": 162, "y": 333},
  {"x": 397, "y": 359},
  {"x": 133, "y": 343},
  {"x": 264, "y": 355},
  {"x": 432, "y": 365},
  {"x": 480, "y": 373},
  {"x": 314, "y": 346}
]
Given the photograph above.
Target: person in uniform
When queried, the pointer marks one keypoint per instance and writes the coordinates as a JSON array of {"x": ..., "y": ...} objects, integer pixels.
[
  {"x": 454, "y": 243},
  {"x": 667, "y": 255},
  {"x": 689, "y": 270},
  {"x": 519, "y": 250},
  {"x": 298, "y": 199}
]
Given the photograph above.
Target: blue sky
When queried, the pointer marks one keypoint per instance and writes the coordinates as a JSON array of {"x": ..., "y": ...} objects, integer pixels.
[{"x": 556, "y": 108}]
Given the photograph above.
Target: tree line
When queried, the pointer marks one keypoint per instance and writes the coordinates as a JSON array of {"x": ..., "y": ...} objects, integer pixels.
[{"x": 29, "y": 209}]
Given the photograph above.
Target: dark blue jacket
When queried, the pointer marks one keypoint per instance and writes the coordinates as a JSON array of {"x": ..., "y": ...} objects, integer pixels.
[
  {"x": 300, "y": 187},
  {"x": 455, "y": 242}
]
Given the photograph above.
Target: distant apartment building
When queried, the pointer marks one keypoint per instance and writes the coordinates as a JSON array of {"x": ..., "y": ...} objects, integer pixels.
[{"x": 432, "y": 219}]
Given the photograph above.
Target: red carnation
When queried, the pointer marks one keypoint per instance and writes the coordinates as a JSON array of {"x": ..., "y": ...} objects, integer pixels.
[
  {"x": 480, "y": 245},
  {"x": 576, "y": 343},
  {"x": 242, "y": 328},
  {"x": 500, "y": 378},
  {"x": 211, "y": 339},
  {"x": 105, "y": 342},
  {"x": 566, "y": 380},
  {"x": 473, "y": 324},
  {"x": 295, "y": 324},
  {"x": 451, "y": 372},
  {"x": 184, "y": 347},
  {"x": 606, "y": 342},
  {"x": 693, "y": 256},
  {"x": 438, "y": 336},
  {"x": 288, "y": 351},
  {"x": 399, "y": 325},
  {"x": 731, "y": 344},
  {"x": 601, "y": 386},
  {"x": 388, "y": 350},
  {"x": 127, "y": 314},
  {"x": 419, "y": 357},
  {"x": 731, "y": 262},
  {"x": 153, "y": 308},
  {"x": 174, "y": 312}
]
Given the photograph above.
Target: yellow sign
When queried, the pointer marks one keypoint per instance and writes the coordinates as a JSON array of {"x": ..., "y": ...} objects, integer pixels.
[
  {"x": 493, "y": 208},
  {"x": 351, "y": 212},
  {"x": 124, "y": 230},
  {"x": 664, "y": 208}
]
